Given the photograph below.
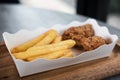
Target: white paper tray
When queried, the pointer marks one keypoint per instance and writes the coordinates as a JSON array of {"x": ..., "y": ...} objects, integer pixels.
[{"x": 40, "y": 65}]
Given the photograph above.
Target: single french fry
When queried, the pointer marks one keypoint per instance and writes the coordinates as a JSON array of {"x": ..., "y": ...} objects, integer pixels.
[
  {"x": 29, "y": 44},
  {"x": 69, "y": 54},
  {"x": 41, "y": 50},
  {"x": 55, "y": 46},
  {"x": 48, "y": 38},
  {"x": 53, "y": 55},
  {"x": 57, "y": 39}
]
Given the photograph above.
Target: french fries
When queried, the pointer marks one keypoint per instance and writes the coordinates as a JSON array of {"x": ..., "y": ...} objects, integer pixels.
[
  {"x": 48, "y": 38},
  {"x": 48, "y": 45},
  {"x": 53, "y": 55},
  {"x": 41, "y": 50},
  {"x": 30, "y": 43},
  {"x": 57, "y": 39},
  {"x": 67, "y": 55},
  {"x": 56, "y": 46}
]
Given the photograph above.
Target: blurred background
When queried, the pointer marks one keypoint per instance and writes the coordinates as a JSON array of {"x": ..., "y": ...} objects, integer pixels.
[{"x": 105, "y": 10}]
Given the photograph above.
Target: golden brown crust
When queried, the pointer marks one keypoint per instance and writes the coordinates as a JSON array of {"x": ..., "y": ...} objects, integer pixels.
[
  {"x": 93, "y": 42},
  {"x": 77, "y": 33},
  {"x": 84, "y": 37}
]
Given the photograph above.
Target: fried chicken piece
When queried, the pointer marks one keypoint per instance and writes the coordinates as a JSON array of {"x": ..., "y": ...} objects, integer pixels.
[
  {"x": 93, "y": 42},
  {"x": 88, "y": 30},
  {"x": 77, "y": 33},
  {"x": 74, "y": 33}
]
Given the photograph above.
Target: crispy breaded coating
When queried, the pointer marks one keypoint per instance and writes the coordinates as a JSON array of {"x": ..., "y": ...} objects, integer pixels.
[
  {"x": 88, "y": 30},
  {"x": 93, "y": 42},
  {"x": 77, "y": 33}
]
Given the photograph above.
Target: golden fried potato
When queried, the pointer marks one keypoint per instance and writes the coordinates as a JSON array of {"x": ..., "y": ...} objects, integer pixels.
[
  {"x": 41, "y": 50},
  {"x": 43, "y": 39},
  {"x": 68, "y": 54},
  {"x": 53, "y": 55},
  {"x": 51, "y": 35},
  {"x": 57, "y": 39},
  {"x": 28, "y": 44}
]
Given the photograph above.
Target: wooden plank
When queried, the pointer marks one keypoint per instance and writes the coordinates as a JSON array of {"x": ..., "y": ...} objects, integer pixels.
[
  {"x": 3, "y": 50},
  {"x": 9, "y": 73},
  {"x": 96, "y": 69},
  {"x": 6, "y": 61}
]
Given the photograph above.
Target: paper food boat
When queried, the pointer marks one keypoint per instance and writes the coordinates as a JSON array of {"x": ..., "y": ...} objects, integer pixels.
[{"x": 40, "y": 65}]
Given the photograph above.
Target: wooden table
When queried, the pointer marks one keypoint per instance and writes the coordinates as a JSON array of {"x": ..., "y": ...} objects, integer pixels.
[{"x": 16, "y": 17}]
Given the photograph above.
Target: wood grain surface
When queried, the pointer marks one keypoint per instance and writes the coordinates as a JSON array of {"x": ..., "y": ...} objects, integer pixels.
[{"x": 92, "y": 70}]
